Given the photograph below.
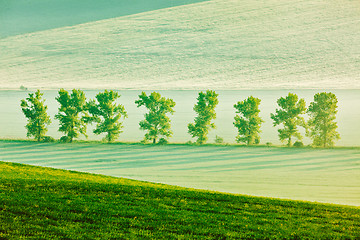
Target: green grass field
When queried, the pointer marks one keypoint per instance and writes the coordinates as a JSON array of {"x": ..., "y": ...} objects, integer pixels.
[
  {"x": 217, "y": 44},
  {"x": 44, "y": 203}
]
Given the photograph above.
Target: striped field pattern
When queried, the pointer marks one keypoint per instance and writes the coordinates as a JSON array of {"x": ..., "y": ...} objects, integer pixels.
[
  {"x": 322, "y": 175},
  {"x": 217, "y": 44}
]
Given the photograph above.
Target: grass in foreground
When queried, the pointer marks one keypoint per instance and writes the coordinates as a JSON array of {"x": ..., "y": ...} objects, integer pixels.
[{"x": 45, "y": 203}]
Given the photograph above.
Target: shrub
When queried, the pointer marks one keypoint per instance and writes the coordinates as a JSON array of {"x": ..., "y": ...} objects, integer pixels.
[
  {"x": 22, "y": 88},
  {"x": 162, "y": 141},
  {"x": 269, "y": 144},
  {"x": 219, "y": 139},
  {"x": 48, "y": 139},
  {"x": 65, "y": 139},
  {"x": 298, "y": 144}
]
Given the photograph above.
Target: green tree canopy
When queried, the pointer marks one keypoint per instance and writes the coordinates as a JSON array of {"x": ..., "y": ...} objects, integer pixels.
[
  {"x": 34, "y": 109},
  {"x": 289, "y": 115},
  {"x": 322, "y": 125},
  {"x": 205, "y": 109},
  {"x": 72, "y": 115},
  {"x": 107, "y": 114},
  {"x": 156, "y": 122},
  {"x": 248, "y": 122}
]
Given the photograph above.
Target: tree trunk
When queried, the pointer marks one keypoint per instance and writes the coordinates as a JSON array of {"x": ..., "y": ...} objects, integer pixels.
[
  {"x": 38, "y": 137},
  {"x": 108, "y": 137},
  {"x": 72, "y": 131}
]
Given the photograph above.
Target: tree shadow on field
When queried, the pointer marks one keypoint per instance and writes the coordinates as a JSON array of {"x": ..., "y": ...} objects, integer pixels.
[{"x": 25, "y": 16}]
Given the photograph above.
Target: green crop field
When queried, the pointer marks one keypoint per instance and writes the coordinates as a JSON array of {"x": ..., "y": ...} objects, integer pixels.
[
  {"x": 216, "y": 44},
  {"x": 321, "y": 175},
  {"x": 43, "y": 203}
]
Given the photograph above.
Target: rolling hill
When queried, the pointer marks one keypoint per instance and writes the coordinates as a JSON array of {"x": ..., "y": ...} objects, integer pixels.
[
  {"x": 44, "y": 203},
  {"x": 24, "y": 16},
  {"x": 321, "y": 175},
  {"x": 217, "y": 44}
]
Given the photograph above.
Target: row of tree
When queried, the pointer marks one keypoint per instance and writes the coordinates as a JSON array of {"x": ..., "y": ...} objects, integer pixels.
[
  {"x": 75, "y": 113},
  {"x": 321, "y": 126}
]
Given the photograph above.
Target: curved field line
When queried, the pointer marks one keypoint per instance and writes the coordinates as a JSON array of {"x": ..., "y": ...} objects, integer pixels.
[{"x": 328, "y": 175}]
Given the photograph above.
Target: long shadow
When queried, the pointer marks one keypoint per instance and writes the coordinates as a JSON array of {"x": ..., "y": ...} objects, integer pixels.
[{"x": 25, "y": 16}]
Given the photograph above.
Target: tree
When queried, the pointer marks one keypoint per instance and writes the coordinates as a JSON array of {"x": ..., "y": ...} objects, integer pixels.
[
  {"x": 322, "y": 125},
  {"x": 289, "y": 115},
  {"x": 34, "y": 109},
  {"x": 205, "y": 109},
  {"x": 249, "y": 122},
  {"x": 156, "y": 122},
  {"x": 72, "y": 115},
  {"x": 107, "y": 114}
]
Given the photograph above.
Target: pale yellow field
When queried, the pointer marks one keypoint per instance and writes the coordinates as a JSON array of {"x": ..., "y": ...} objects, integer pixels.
[
  {"x": 328, "y": 175},
  {"x": 217, "y": 44}
]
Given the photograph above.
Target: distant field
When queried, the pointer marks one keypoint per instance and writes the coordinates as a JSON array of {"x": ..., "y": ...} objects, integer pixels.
[
  {"x": 24, "y": 16},
  {"x": 217, "y": 44},
  {"x": 322, "y": 175},
  {"x": 43, "y": 203}
]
